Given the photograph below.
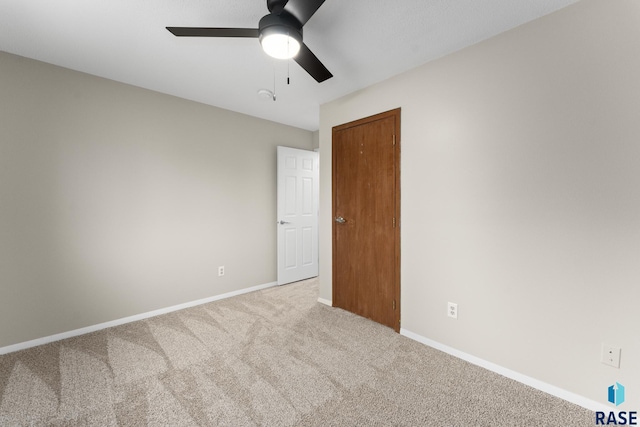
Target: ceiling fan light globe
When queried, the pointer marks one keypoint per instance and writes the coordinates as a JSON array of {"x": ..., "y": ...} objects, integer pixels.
[{"x": 280, "y": 46}]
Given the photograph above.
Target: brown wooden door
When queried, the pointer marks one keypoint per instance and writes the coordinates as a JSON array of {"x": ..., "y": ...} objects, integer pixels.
[{"x": 366, "y": 209}]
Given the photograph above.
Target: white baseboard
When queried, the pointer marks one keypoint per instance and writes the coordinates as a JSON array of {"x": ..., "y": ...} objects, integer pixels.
[
  {"x": 325, "y": 302},
  {"x": 531, "y": 382},
  {"x": 88, "y": 329}
]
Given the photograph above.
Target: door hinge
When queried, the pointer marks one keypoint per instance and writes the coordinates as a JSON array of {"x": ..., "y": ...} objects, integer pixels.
[
  {"x": 394, "y": 304},
  {"x": 394, "y": 222},
  {"x": 394, "y": 140}
]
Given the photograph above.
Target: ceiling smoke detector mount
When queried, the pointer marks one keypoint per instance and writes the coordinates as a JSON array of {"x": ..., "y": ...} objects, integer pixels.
[{"x": 266, "y": 94}]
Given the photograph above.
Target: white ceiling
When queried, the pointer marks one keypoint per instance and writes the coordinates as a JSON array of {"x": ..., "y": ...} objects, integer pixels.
[{"x": 360, "y": 41}]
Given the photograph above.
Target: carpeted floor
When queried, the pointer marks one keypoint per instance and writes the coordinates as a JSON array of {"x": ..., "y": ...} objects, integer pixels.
[{"x": 271, "y": 358}]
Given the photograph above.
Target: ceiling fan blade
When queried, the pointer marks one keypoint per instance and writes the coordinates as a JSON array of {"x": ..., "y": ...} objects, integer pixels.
[
  {"x": 213, "y": 32},
  {"x": 312, "y": 65},
  {"x": 302, "y": 10}
]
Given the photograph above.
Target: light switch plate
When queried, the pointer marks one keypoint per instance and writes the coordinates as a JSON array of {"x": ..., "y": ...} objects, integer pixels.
[{"x": 610, "y": 355}]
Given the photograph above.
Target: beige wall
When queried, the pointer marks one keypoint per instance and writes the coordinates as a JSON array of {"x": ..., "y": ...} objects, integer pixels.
[
  {"x": 115, "y": 201},
  {"x": 521, "y": 196}
]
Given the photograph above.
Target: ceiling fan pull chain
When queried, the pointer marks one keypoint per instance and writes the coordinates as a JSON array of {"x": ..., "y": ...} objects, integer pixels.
[
  {"x": 274, "y": 79},
  {"x": 288, "y": 60}
]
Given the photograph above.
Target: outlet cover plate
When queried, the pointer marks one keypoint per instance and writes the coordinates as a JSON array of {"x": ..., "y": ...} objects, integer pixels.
[{"x": 452, "y": 310}]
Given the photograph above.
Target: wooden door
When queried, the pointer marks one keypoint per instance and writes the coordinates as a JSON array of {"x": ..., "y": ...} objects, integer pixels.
[
  {"x": 366, "y": 212},
  {"x": 297, "y": 214}
]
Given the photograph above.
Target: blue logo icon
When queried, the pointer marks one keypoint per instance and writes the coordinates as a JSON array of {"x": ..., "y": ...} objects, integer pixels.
[{"x": 616, "y": 394}]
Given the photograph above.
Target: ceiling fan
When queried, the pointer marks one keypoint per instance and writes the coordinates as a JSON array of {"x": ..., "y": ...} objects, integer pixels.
[{"x": 279, "y": 32}]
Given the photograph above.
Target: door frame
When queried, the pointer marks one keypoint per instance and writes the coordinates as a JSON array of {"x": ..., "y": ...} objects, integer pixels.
[{"x": 391, "y": 113}]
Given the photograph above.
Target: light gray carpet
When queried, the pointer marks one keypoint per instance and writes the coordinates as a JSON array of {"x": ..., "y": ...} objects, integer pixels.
[{"x": 274, "y": 358}]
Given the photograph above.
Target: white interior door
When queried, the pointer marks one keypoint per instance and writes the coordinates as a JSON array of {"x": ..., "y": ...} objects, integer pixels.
[{"x": 297, "y": 214}]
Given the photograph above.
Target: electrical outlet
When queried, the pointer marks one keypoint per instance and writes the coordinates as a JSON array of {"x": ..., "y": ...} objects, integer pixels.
[
  {"x": 610, "y": 355},
  {"x": 452, "y": 310},
  {"x": 221, "y": 270}
]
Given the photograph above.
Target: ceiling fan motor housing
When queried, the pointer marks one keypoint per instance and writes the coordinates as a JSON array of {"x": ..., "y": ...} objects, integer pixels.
[
  {"x": 281, "y": 24},
  {"x": 276, "y": 6}
]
